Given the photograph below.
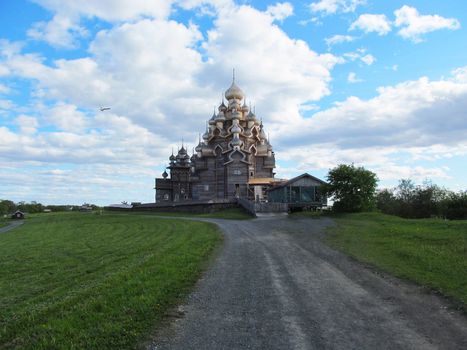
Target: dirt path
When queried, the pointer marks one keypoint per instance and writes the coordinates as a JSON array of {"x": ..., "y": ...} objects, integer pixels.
[
  {"x": 276, "y": 286},
  {"x": 11, "y": 226}
]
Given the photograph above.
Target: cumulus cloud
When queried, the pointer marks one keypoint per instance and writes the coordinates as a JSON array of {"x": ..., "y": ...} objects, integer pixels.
[
  {"x": 154, "y": 85},
  {"x": 360, "y": 54},
  {"x": 368, "y": 59},
  {"x": 61, "y": 31},
  {"x": 415, "y": 25},
  {"x": 110, "y": 10},
  {"x": 339, "y": 39},
  {"x": 27, "y": 124},
  {"x": 66, "y": 117},
  {"x": 280, "y": 11},
  {"x": 412, "y": 115},
  {"x": 64, "y": 30},
  {"x": 335, "y": 6},
  {"x": 163, "y": 89},
  {"x": 372, "y": 23},
  {"x": 352, "y": 78}
]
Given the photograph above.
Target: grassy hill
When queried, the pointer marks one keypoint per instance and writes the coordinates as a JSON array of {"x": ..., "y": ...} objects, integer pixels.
[
  {"x": 80, "y": 280},
  {"x": 431, "y": 252}
]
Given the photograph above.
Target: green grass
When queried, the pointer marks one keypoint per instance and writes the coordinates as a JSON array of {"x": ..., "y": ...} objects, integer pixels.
[
  {"x": 4, "y": 222},
  {"x": 431, "y": 252},
  {"x": 228, "y": 214},
  {"x": 86, "y": 281},
  {"x": 308, "y": 214}
]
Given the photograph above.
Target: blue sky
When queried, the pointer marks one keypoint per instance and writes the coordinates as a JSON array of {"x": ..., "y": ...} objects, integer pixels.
[{"x": 381, "y": 84}]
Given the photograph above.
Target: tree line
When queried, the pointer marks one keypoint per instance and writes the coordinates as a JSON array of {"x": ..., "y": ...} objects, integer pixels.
[
  {"x": 9, "y": 207},
  {"x": 409, "y": 200},
  {"x": 354, "y": 190}
]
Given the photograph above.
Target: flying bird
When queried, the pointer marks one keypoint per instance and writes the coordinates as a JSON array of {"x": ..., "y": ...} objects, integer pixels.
[{"x": 104, "y": 109}]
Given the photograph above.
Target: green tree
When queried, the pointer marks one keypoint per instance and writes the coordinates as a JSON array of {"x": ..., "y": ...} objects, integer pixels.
[
  {"x": 7, "y": 206},
  {"x": 353, "y": 188}
]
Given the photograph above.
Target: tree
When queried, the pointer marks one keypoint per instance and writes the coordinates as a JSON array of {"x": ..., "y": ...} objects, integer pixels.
[
  {"x": 353, "y": 188},
  {"x": 7, "y": 206}
]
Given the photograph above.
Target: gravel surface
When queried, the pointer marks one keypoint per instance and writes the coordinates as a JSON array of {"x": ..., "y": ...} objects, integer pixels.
[{"x": 275, "y": 285}]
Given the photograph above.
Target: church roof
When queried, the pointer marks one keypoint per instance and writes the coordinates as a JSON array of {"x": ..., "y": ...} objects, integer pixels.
[{"x": 234, "y": 92}]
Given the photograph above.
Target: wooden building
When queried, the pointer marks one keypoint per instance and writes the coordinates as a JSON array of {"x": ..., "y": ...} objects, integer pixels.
[
  {"x": 233, "y": 159},
  {"x": 18, "y": 215},
  {"x": 301, "y": 191}
]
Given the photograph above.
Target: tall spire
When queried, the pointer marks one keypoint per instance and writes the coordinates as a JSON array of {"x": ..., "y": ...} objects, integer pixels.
[{"x": 233, "y": 75}]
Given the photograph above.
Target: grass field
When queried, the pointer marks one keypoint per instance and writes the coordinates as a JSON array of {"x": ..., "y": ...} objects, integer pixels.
[
  {"x": 228, "y": 214},
  {"x": 431, "y": 252},
  {"x": 89, "y": 281}
]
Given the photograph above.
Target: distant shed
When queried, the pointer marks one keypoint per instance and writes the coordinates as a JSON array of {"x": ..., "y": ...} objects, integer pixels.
[
  {"x": 301, "y": 191},
  {"x": 18, "y": 215}
]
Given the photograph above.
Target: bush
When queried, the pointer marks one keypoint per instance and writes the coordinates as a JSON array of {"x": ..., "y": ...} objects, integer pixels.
[{"x": 427, "y": 200}]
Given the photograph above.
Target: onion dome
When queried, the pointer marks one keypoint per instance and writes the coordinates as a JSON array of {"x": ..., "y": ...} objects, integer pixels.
[
  {"x": 245, "y": 107},
  {"x": 236, "y": 114},
  {"x": 251, "y": 116},
  {"x": 206, "y": 136},
  {"x": 262, "y": 134},
  {"x": 198, "y": 148},
  {"x": 236, "y": 141},
  {"x": 172, "y": 158},
  {"x": 234, "y": 92},
  {"x": 269, "y": 147},
  {"x": 212, "y": 121},
  {"x": 164, "y": 174},
  {"x": 222, "y": 107},
  {"x": 235, "y": 129},
  {"x": 220, "y": 117},
  {"x": 233, "y": 104}
]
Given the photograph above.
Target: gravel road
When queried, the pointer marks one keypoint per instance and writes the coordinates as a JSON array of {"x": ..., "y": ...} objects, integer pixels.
[
  {"x": 11, "y": 226},
  {"x": 275, "y": 285}
]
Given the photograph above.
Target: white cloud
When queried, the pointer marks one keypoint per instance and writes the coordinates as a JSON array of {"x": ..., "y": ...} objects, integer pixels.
[
  {"x": 282, "y": 66},
  {"x": 412, "y": 115},
  {"x": 352, "y": 78},
  {"x": 372, "y": 23},
  {"x": 460, "y": 74},
  {"x": 414, "y": 25},
  {"x": 338, "y": 39},
  {"x": 4, "y": 89},
  {"x": 110, "y": 10},
  {"x": 61, "y": 31},
  {"x": 27, "y": 124},
  {"x": 64, "y": 29},
  {"x": 66, "y": 117},
  {"x": 360, "y": 54},
  {"x": 280, "y": 10},
  {"x": 368, "y": 59},
  {"x": 335, "y": 6}
]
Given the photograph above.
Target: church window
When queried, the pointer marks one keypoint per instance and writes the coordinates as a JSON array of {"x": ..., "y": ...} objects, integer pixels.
[
  {"x": 206, "y": 188},
  {"x": 182, "y": 191},
  {"x": 166, "y": 197},
  {"x": 237, "y": 172}
]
